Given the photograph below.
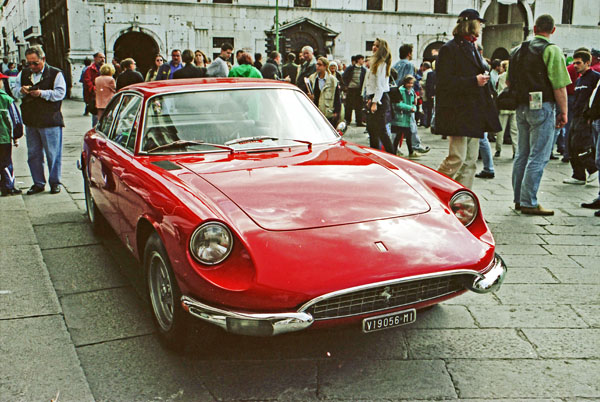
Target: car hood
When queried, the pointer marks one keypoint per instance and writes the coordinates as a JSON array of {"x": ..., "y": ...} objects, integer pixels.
[{"x": 327, "y": 186}]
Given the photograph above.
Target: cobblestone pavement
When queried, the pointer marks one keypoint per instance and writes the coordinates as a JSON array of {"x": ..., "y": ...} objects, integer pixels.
[{"x": 72, "y": 321}]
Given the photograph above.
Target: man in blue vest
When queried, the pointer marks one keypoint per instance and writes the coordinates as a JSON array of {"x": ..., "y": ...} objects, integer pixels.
[{"x": 42, "y": 89}]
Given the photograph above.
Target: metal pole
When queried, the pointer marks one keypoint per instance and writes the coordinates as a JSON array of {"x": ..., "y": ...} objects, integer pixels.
[{"x": 276, "y": 26}]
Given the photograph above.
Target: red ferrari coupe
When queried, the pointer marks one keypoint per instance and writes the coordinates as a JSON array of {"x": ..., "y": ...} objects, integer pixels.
[{"x": 249, "y": 211}]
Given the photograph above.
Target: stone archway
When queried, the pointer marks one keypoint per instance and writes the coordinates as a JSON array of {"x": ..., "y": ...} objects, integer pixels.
[
  {"x": 139, "y": 46},
  {"x": 500, "y": 54},
  {"x": 508, "y": 24},
  {"x": 430, "y": 52}
]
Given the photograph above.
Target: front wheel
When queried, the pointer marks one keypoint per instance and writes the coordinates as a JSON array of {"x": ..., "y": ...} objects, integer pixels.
[{"x": 169, "y": 317}]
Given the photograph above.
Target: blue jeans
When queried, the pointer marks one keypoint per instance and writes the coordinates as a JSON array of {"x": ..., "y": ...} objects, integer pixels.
[
  {"x": 596, "y": 132},
  {"x": 486, "y": 153},
  {"x": 416, "y": 141},
  {"x": 535, "y": 141},
  {"x": 46, "y": 141}
]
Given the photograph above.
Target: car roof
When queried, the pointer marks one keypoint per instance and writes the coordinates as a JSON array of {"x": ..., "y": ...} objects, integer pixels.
[{"x": 182, "y": 85}]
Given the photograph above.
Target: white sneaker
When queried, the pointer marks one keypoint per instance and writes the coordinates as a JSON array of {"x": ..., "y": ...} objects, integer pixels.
[
  {"x": 414, "y": 155},
  {"x": 571, "y": 180},
  {"x": 592, "y": 177}
]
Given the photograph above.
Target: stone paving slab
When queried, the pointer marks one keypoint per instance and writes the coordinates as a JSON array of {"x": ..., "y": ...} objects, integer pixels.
[
  {"x": 522, "y": 249},
  {"x": 444, "y": 316},
  {"x": 572, "y": 240},
  {"x": 41, "y": 364},
  {"x": 526, "y": 378},
  {"x": 65, "y": 235},
  {"x": 531, "y": 275},
  {"x": 20, "y": 232},
  {"x": 574, "y": 250},
  {"x": 371, "y": 380},
  {"x": 553, "y": 316},
  {"x": 539, "y": 261},
  {"x": 577, "y": 275},
  {"x": 12, "y": 203},
  {"x": 541, "y": 294},
  {"x": 587, "y": 262},
  {"x": 574, "y": 230},
  {"x": 590, "y": 314},
  {"x": 518, "y": 238},
  {"x": 558, "y": 343},
  {"x": 139, "y": 369},
  {"x": 25, "y": 287},
  {"x": 105, "y": 315},
  {"x": 255, "y": 380},
  {"x": 56, "y": 212},
  {"x": 81, "y": 269},
  {"x": 468, "y": 344}
]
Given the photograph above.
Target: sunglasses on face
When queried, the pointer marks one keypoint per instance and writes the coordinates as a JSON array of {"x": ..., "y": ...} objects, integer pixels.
[
  {"x": 32, "y": 63},
  {"x": 159, "y": 60}
]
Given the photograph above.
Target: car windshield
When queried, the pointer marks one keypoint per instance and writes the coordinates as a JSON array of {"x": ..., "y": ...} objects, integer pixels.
[{"x": 240, "y": 118}]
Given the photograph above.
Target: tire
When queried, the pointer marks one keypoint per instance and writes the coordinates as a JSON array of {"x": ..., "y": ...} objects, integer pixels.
[
  {"x": 97, "y": 220},
  {"x": 170, "y": 319}
]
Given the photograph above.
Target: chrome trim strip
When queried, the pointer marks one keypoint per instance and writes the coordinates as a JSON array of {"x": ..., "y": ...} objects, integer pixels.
[
  {"x": 385, "y": 283},
  {"x": 280, "y": 323}
]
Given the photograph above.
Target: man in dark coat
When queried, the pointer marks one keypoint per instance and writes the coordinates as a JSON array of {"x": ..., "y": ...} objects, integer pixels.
[
  {"x": 290, "y": 69},
  {"x": 308, "y": 68},
  {"x": 129, "y": 75},
  {"x": 353, "y": 79},
  {"x": 464, "y": 107},
  {"x": 270, "y": 70},
  {"x": 190, "y": 70}
]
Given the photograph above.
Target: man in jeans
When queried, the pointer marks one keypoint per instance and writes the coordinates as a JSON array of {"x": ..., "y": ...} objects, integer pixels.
[
  {"x": 42, "y": 89},
  {"x": 539, "y": 77}
]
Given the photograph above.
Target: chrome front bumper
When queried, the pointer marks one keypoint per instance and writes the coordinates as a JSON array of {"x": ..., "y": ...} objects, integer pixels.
[
  {"x": 254, "y": 324},
  {"x": 269, "y": 324},
  {"x": 491, "y": 280}
]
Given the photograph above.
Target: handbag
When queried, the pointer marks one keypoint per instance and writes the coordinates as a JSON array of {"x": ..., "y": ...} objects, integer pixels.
[
  {"x": 394, "y": 94},
  {"x": 506, "y": 100}
]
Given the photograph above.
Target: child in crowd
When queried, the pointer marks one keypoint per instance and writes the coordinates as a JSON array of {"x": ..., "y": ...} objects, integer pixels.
[
  {"x": 11, "y": 129},
  {"x": 402, "y": 115}
]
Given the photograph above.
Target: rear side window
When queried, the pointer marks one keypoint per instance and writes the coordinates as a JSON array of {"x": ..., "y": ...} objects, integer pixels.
[
  {"x": 108, "y": 117},
  {"x": 124, "y": 131}
]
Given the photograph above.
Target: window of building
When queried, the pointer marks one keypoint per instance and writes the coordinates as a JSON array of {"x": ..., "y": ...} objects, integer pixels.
[
  {"x": 222, "y": 1},
  {"x": 218, "y": 42},
  {"x": 503, "y": 14},
  {"x": 369, "y": 45},
  {"x": 301, "y": 3},
  {"x": 440, "y": 6},
  {"x": 567, "y": 12},
  {"x": 376, "y": 5}
]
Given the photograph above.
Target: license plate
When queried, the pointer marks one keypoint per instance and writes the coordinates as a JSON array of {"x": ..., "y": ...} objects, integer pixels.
[{"x": 389, "y": 320}]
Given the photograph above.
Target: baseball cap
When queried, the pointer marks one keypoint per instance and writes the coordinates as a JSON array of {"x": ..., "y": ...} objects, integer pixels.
[
  {"x": 469, "y": 14},
  {"x": 3, "y": 76}
]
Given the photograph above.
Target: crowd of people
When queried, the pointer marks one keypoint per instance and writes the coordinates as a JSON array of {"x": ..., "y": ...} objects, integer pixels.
[{"x": 534, "y": 100}]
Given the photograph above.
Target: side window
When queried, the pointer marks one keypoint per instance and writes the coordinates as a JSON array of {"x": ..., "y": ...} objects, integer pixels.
[
  {"x": 125, "y": 122},
  {"x": 109, "y": 116}
]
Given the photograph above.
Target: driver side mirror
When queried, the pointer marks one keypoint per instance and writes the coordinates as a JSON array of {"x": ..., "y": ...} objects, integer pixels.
[{"x": 341, "y": 127}]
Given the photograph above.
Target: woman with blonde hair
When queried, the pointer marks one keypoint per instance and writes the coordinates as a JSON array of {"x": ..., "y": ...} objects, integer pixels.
[
  {"x": 378, "y": 102},
  {"x": 105, "y": 88}
]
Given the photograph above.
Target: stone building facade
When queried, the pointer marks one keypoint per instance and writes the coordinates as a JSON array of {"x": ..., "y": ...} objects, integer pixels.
[{"x": 74, "y": 29}]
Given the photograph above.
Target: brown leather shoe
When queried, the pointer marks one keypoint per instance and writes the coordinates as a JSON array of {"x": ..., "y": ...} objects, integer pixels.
[
  {"x": 517, "y": 206},
  {"x": 538, "y": 210}
]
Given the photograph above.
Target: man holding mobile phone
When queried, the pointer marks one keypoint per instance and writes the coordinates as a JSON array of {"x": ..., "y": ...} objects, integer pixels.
[{"x": 42, "y": 89}]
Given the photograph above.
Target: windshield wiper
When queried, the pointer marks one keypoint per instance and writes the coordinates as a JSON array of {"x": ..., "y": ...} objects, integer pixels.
[
  {"x": 190, "y": 142},
  {"x": 264, "y": 138}
]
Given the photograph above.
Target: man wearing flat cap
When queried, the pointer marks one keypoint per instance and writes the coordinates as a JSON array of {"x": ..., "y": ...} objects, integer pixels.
[{"x": 465, "y": 108}]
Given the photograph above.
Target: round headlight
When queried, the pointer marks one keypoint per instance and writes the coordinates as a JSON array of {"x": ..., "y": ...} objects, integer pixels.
[
  {"x": 464, "y": 206},
  {"x": 211, "y": 243}
]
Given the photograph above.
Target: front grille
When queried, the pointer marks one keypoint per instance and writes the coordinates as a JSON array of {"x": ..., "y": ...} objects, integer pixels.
[{"x": 386, "y": 297}]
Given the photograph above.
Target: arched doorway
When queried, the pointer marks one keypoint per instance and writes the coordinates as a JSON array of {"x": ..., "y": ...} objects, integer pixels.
[
  {"x": 431, "y": 51},
  {"x": 500, "y": 54},
  {"x": 139, "y": 46},
  {"x": 507, "y": 25}
]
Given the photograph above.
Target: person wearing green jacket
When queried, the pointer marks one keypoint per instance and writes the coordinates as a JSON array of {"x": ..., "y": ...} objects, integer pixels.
[
  {"x": 402, "y": 113},
  {"x": 245, "y": 68},
  {"x": 11, "y": 129}
]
